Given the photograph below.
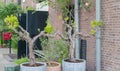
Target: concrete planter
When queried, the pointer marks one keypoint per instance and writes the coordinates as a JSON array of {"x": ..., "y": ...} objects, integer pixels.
[
  {"x": 12, "y": 67},
  {"x": 57, "y": 67},
  {"x": 37, "y": 68},
  {"x": 70, "y": 66}
]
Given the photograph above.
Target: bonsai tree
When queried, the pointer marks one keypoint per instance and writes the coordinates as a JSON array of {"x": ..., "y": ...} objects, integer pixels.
[
  {"x": 70, "y": 38},
  {"x": 67, "y": 9},
  {"x": 12, "y": 23}
]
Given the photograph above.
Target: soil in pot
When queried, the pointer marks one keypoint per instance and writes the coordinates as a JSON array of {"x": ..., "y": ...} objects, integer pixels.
[
  {"x": 39, "y": 66},
  {"x": 74, "y": 61},
  {"x": 53, "y": 66},
  {"x": 36, "y": 65}
]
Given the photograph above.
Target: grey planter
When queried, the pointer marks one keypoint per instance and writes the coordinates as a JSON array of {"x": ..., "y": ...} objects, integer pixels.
[
  {"x": 12, "y": 68},
  {"x": 70, "y": 66},
  {"x": 38, "y": 68}
]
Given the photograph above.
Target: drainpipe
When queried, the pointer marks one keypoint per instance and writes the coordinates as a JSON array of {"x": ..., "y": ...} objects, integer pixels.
[
  {"x": 76, "y": 14},
  {"x": 98, "y": 38}
]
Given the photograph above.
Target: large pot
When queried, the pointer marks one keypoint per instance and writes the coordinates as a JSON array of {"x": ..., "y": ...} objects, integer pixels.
[
  {"x": 55, "y": 66},
  {"x": 80, "y": 65},
  {"x": 42, "y": 67}
]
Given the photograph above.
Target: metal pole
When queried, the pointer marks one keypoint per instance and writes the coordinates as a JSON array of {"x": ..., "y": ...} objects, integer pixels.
[
  {"x": 10, "y": 46},
  {"x": 76, "y": 14},
  {"x": 1, "y": 38},
  {"x": 27, "y": 30},
  {"x": 98, "y": 40}
]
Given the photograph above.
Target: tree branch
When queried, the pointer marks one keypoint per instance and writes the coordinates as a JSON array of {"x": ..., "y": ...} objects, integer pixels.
[
  {"x": 21, "y": 34},
  {"x": 60, "y": 35},
  {"x": 82, "y": 35},
  {"x": 24, "y": 31},
  {"x": 69, "y": 33},
  {"x": 42, "y": 33}
]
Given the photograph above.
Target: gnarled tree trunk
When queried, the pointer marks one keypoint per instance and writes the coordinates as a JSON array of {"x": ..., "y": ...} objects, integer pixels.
[{"x": 31, "y": 53}]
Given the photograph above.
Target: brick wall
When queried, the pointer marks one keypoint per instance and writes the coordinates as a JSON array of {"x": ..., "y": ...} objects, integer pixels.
[
  {"x": 110, "y": 35},
  {"x": 54, "y": 18},
  {"x": 85, "y": 18}
]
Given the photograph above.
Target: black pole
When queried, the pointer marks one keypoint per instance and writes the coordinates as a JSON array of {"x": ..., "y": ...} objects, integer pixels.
[
  {"x": 2, "y": 38},
  {"x": 19, "y": 2},
  {"x": 10, "y": 46}
]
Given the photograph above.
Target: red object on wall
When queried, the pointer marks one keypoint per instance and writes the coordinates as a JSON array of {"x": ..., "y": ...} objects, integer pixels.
[{"x": 6, "y": 35}]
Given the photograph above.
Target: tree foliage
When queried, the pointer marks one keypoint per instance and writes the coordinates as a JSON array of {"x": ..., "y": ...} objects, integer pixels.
[
  {"x": 54, "y": 49},
  {"x": 8, "y": 9},
  {"x": 11, "y": 21},
  {"x": 94, "y": 25},
  {"x": 49, "y": 28}
]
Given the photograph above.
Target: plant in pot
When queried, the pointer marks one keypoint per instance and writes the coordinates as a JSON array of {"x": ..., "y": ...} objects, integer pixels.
[
  {"x": 54, "y": 51},
  {"x": 71, "y": 63},
  {"x": 16, "y": 65},
  {"x": 12, "y": 23},
  {"x": 67, "y": 9}
]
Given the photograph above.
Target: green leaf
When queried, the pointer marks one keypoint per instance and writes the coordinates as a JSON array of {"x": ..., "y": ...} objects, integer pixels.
[
  {"x": 66, "y": 18},
  {"x": 100, "y": 23},
  {"x": 49, "y": 28},
  {"x": 60, "y": 17},
  {"x": 22, "y": 60},
  {"x": 92, "y": 32},
  {"x": 93, "y": 24}
]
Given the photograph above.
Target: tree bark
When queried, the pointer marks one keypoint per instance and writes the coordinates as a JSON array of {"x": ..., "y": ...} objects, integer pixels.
[{"x": 31, "y": 53}]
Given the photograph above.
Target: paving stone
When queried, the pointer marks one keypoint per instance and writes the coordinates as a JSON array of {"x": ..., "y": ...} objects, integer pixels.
[{"x": 3, "y": 60}]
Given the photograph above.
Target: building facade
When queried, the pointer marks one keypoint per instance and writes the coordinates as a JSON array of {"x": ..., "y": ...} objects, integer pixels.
[{"x": 110, "y": 37}]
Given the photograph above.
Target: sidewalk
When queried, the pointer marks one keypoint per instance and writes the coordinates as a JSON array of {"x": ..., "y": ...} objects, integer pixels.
[{"x": 3, "y": 60}]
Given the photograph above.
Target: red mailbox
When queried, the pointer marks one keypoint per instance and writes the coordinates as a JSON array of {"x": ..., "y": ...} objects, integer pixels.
[{"x": 6, "y": 35}]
